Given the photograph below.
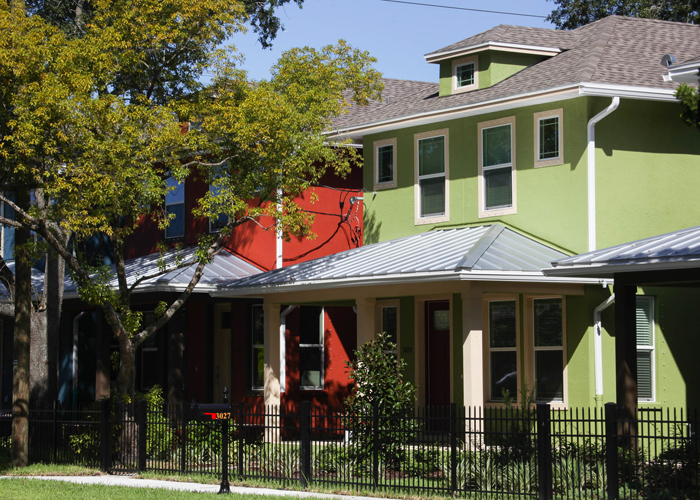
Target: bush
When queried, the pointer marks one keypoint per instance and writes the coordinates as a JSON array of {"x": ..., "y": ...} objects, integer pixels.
[{"x": 378, "y": 377}]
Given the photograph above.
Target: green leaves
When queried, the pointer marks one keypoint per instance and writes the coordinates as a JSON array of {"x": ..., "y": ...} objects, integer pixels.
[{"x": 690, "y": 98}]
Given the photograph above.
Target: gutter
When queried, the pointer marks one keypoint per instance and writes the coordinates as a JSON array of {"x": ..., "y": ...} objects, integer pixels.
[
  {"x": 598, "y": 346},
  {"x": 590, "y": 153}
]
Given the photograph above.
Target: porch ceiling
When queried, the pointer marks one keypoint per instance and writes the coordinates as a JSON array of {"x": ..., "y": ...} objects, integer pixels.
[{"x": 486, "y": 253}]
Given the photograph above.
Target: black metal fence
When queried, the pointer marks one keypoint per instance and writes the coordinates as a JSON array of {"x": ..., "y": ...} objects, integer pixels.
[{"x": 500, "y": 452}]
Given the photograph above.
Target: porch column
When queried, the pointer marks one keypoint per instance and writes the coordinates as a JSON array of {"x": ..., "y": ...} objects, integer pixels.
[
  {"x": 626, "y": 346},
  {"x": 472, "y": 351},
  {"x": 272, "y": 353},
  {"x": 365, "y": 320}
]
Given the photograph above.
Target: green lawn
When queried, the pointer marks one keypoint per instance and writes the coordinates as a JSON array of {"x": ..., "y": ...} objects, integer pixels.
[{"x": 37, "y": 489}]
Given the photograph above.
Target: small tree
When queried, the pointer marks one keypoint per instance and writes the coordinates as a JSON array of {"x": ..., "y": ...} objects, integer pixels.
[{"x": 378, "y": 377}]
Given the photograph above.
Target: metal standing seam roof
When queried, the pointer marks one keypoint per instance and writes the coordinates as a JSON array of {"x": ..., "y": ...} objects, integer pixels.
[
  {"x": 614, "y": 51},
  {"x": 224, "y": 268},
  {"x": 37, "y": 281},
  {"x": 490, "y": 249},
  {"x": 679, "y": 249}
]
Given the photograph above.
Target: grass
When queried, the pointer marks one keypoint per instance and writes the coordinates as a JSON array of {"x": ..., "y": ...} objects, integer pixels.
[{"x": 36, "y": 489}]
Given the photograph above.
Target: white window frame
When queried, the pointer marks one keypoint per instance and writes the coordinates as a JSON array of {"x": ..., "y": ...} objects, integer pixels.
[
  {"x": 146, "y": 348},
  {"x": 184, "y": 214},
  {"x": 488, "y": 349},
  {"x": 431, "y": 219},
  {"x": 253, "y": 347},
  {"x": 532, "y": 349},
  {"x": 651, "y": 348},
  {"x": 463, "y": 62},
  {"x": 375, "y": 148},
  {"x": 497, "y": 211},
  {"x": 322, "y": 326},
  {"x": 559, "y": 160}
]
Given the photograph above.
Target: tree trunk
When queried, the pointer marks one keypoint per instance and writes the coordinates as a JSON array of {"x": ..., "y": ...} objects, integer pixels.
[
  {"x": 23, "y": 308},
  {"x": 39, "y": 358}
]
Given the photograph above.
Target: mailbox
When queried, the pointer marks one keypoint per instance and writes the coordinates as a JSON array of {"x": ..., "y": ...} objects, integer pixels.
[{"x": 209, "y": 412}]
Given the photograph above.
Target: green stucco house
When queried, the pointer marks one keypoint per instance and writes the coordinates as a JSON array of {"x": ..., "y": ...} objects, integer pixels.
[{"x": 530, "y": 146}]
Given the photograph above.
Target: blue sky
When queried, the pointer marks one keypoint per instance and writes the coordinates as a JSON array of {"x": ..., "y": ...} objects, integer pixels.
[{"x": 398, "y": 35}]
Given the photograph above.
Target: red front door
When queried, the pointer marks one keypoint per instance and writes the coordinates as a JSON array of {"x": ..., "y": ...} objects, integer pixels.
[{"x": 437, "y": 349}]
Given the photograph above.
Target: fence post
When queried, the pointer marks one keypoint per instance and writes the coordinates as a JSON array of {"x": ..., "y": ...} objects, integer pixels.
[
  {"x": 453, "y": 447},
  {"x": 225, "y": 487},
  {"x": 54, "y": 430},
  {"x": 611, "y": 465},
  {"x": 183, "y": 437},
  {"x": 305, "y": 438},
  {"x": 105, "y": 436},
  {"x": 141, "y": 422},
  {"x": 544, "y": 451},
  {"x": 241, "y": 438},
  {"x": 375, "y": 446}
]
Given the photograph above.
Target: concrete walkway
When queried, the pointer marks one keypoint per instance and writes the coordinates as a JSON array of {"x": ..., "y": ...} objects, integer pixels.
[{"x": 181, "y": 486}]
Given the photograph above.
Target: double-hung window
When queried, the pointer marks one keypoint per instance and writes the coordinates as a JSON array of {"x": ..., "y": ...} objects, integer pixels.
[
  {"x": 257, "y": 348},
  {"x": 385, "y": 164},
  {"x": 503, "y": 349},
  {"x": 645, "y": 348},
  {"x": 432, "y": 175},
  {"x": 175, "y": 204},
  {"x": 218, "y": 223},
  {"x": 549, "y": 140},
  {"x": 497, "y": 167},
  {"x": 311, "y": 350},
  {"x": 548, "y": 333},
  {"x": 465, "y": 74}
]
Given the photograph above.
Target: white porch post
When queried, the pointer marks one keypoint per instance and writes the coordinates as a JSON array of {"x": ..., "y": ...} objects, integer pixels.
[
  {"x": 365, "y": 320},
  {"x": 272, "y": 370},
  {"x": 472, "y": 350}
]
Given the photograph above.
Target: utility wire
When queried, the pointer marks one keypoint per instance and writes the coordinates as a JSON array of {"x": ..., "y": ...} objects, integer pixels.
[{"x": 466, "y": 8}]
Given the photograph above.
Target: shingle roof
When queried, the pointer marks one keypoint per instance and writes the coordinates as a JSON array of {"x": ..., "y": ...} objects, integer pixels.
[
  {"x": 679, "y": 249},
  {"x": 491, "y": 249},
  {"x": 614, "y": 50}
]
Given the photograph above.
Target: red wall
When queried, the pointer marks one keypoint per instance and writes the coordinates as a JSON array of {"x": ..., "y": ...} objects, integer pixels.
[{"x": 337, "y": 226}]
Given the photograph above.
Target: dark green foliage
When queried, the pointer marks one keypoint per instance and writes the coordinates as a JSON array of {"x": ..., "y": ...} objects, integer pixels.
[
  {"x": 378, "y": 377},
  {"x": 572, "y": 14},
  {"x": 689, "y": 98},
  {"x": 263, "y": 18}
]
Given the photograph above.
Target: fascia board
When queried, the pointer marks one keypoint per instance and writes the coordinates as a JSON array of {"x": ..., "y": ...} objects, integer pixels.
[
  {"x": 603, "y": 270},
  {"x": 399, "y": 279},
  {"x": 518, "y": 48},
  {"x": 627, "y": 91},
  {"x": 515, "y": 101},
  {"x": 161, "y": 288}
]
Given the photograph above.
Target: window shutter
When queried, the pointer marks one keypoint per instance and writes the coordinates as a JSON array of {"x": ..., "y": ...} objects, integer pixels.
[
  {"x": 645, "y": 325},
  {"x": 644, "y": 375}
]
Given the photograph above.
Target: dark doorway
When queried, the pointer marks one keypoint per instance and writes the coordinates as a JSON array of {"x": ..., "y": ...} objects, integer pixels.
[{"x": 437, "y": 348}]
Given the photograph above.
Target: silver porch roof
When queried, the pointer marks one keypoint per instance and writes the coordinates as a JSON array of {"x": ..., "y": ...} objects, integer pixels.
[
  {"x": 491, "y": 252},
  {"x": 224, "y": 268},
  {"x": 679, "y": 249}
]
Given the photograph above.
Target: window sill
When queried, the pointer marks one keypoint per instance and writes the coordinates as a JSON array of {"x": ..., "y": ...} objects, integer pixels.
[
  {"x": 312, "y": 389},
  {"x": 483, "y": 214},
  {"x": 379, "y": 186},
  {"x": 420, "y": 221},
  {"x": 549, "y": 163}
]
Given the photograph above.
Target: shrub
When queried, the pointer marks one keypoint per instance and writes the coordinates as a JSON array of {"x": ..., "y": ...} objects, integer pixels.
[{"x": 378, "y": 377}]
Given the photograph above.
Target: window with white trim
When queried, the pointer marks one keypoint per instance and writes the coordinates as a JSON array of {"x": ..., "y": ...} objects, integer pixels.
[
  {"x": 549, "y": 142},
  {"x": 497, "y": 167},
  {"x": 175, "y": 204},
  {"x": 432, "y": 175},
  {"x": 385, "y": 164},
  {"x": 503, "y": 349},
  {"x": 217, "y": 224},
  {"x": 311, "y": 348},
  {"x": 257, "y": 348},
  {"x": 465, "y": 74},
  {"x": 645, "y": 348},
  {"x": 548, "y": 336}
]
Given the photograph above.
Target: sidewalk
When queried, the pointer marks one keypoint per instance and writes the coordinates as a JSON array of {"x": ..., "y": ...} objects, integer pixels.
[{"x": 176, "y": 485}]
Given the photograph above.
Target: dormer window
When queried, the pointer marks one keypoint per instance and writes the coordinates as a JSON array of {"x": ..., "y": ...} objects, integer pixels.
[{"x": 465, "y": 74}]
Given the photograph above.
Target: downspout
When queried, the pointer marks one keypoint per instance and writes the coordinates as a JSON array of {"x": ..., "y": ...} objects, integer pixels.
[
  {"x": 598, "y": 347},
  {"x": 283, "y": 346},
  {"x": 590, "y": 153}
]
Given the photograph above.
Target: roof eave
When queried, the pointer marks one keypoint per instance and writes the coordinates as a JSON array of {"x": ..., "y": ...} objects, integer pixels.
[
  {"x": 517, "y": 48},
  {"x": 605, "y": 270},
  {"x": 402, "y": 279}
]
